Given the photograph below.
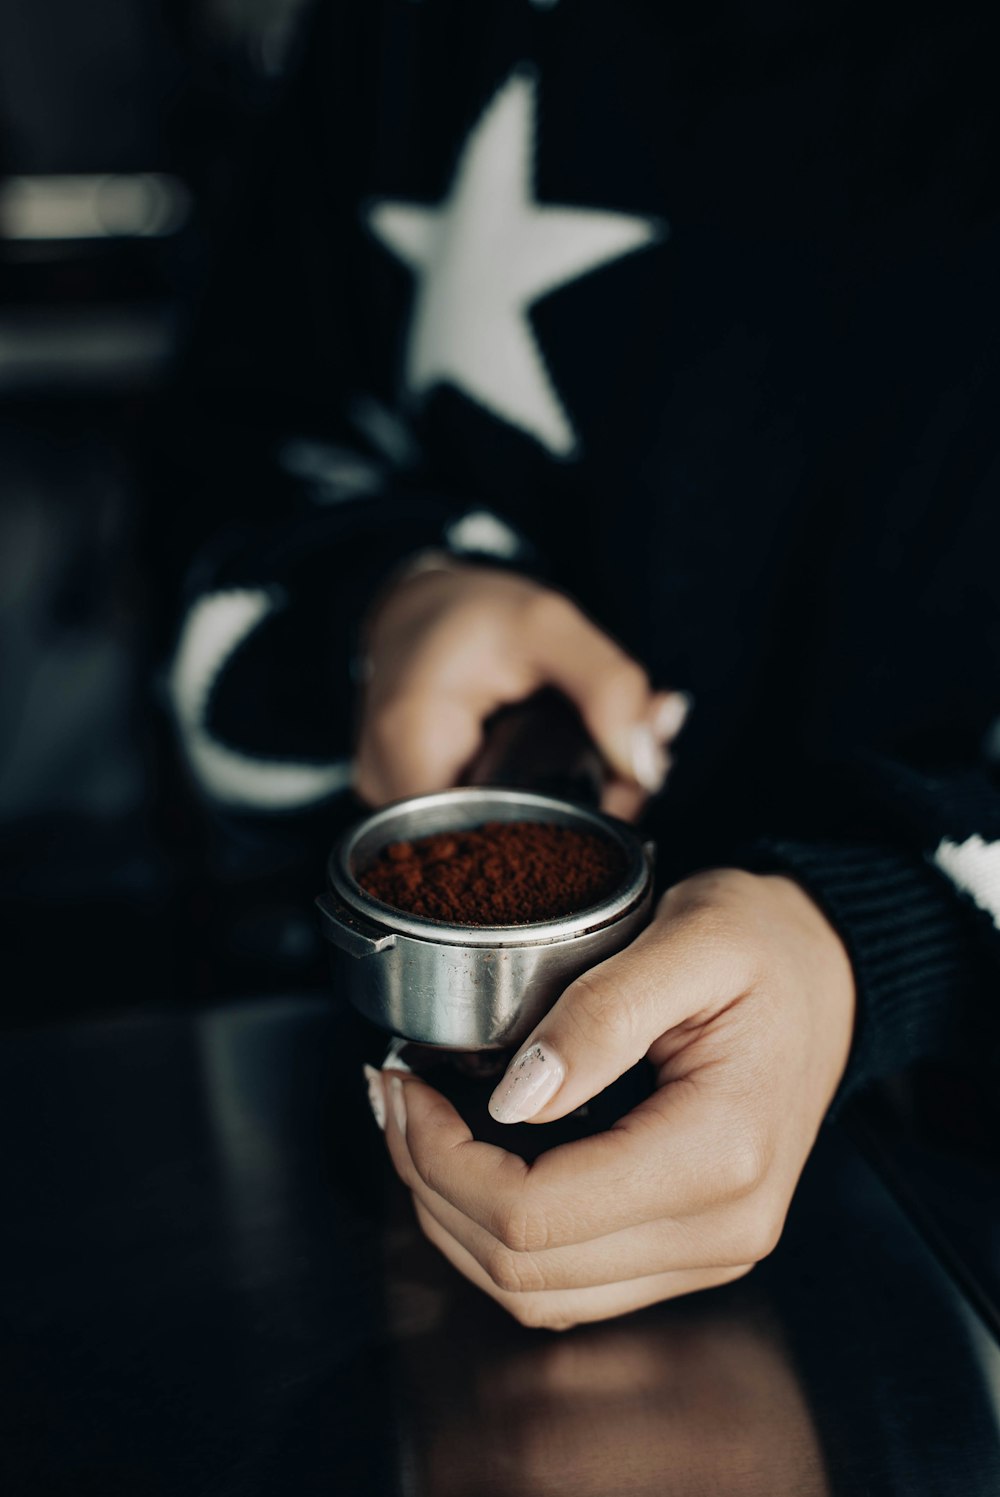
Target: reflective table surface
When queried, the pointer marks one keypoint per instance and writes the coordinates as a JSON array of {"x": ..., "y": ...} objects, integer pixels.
[{"x": 212, "y": 1285}]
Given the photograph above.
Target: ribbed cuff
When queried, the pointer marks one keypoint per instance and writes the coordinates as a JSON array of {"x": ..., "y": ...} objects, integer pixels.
[{"x": 910, "y": 942}]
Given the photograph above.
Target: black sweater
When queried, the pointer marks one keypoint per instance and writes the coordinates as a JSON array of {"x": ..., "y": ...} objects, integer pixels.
[{"x": 693, "y": 312}]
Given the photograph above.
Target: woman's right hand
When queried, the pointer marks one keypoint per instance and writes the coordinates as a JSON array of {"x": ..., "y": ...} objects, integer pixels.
[{"x": 448, "y": 645}]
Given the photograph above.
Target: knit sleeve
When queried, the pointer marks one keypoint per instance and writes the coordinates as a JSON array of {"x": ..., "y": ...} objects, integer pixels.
[
  {"x": 918, "y": 908},
  {"x": 291, "y": 476}
]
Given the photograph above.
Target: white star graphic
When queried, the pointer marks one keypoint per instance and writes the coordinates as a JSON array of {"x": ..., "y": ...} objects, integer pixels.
[{"x": 484, "y": 255}]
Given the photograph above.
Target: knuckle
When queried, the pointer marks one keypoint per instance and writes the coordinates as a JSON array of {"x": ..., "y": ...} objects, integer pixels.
[
  {"x": 519, "y": 1228},
  {"x": 759, "y": 1234},
  {"x": 537, "y": 1312},
  {"x": 732, "y": 1275},
  {"x": 749, "y": 959},
  {"x": 706, "y": 917},
  {"x": 514, "y": 1273},
  {"x": 737, "y": 884},
  {"x": 430, "y": 1167},
  {"x": 744, "y": 1168},
  {"x": 736, "y": 945},
  {"x": 548, "y": 612},
  {"x": 498, "y": 1262}
]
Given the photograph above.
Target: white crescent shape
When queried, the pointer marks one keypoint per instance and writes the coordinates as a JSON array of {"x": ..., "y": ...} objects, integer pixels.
[{"x": 216, "y": 625}]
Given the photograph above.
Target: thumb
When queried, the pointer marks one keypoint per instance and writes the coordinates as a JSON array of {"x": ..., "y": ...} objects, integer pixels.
[{"x": 603, "y": 1024}]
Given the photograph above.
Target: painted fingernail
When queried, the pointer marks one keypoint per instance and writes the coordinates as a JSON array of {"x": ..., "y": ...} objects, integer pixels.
[
  {"x": 376, "y": 1097},
  {"x": 671, "y": 715},
  {"x": 649, "y": 763},
  {"x": 531, "y": 1080},
  {"x": 394, "y": 1056},
  {"x": 397, "y": 1101}
]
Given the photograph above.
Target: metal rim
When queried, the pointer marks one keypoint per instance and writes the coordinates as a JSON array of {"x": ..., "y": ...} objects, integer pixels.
[{"x": 384, "y": 826}]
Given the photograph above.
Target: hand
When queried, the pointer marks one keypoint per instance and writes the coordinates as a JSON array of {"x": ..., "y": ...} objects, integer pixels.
[
  {"x": 742, "y": 996},
  {"x": 447, "y": 647}
]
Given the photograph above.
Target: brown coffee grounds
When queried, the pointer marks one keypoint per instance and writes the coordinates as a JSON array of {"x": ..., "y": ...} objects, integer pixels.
[{"x": 503, "y": 873}]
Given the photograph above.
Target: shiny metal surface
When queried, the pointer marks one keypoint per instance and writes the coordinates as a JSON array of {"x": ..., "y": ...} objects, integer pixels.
[
  {"x": 461, "y": 810},
  {"x": 470, "y": 987},
  {"x": 212, "y": 1287}
]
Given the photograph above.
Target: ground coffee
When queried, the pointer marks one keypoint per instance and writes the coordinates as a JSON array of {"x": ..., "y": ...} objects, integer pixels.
[{"x": 503, "y": 873}]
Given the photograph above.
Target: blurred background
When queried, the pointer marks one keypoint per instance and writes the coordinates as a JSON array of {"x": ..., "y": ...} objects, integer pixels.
[{"x": 123, "y": 128}]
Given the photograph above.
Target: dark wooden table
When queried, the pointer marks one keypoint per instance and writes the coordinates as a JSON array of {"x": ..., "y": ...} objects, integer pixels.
[{"x": 211, "y": 1286}]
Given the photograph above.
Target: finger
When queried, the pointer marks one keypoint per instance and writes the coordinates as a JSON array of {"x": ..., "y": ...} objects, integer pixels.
[
  {"x": 722, "y": 1238},
  {"x": 610, "y": 690},
  {"x": 413, "y": 745},
  {"x": 605, "y": 1022},
  {"x": 420, "y": 1119},
  {"x": 715, "y": 1239},
  {"x": 558, "y": 1309},
  {"x": 622, "y": 799},
  {"x": 421, "y": 1122},
  {"x": 669, "y": 712},
  {"x": 436, "y": 681},
  {"x": 681, "y": 1152}
]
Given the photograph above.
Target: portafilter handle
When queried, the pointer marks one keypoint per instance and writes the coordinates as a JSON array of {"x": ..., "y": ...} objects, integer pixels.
[{"x": 540, "y": 744}]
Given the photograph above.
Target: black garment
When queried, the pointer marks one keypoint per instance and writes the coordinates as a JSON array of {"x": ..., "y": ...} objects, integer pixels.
[{"x": 756, "y": 439}]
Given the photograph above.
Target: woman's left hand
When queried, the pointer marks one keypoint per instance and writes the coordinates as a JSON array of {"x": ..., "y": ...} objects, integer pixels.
[{"x": 741, "y": 995}]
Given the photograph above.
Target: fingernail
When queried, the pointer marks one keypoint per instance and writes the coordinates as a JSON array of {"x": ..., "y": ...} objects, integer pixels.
[
  {"x": 394, "y": 1056},
  {"x": 397, "y": 1102},
  {"x": 376, "y": 1096},
  {"x": 649, "y": 763},
  {"x": 671, "y": 715},
  {"x": 531, "y": 1080}
]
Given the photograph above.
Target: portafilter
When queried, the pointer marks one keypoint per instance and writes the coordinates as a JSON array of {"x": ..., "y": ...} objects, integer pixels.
[{"x": 478, "y": 987}]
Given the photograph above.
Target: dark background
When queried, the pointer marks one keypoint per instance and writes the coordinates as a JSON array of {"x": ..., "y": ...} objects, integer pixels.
[
  {"x": 198, "y": 1206},
  {"x": 126, "y": 129}
]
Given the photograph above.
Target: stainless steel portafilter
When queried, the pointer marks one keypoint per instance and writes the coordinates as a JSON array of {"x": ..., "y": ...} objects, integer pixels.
[{"x": 471, "y": 987}]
